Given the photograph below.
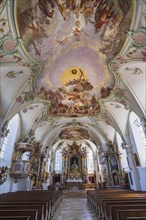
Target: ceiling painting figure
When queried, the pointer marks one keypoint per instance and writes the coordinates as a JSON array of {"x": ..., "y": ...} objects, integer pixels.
[{"x": 77, "y": 97}]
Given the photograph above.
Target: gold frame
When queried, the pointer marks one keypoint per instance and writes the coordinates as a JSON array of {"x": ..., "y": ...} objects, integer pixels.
[
  {"x": 39, "y": 160},
  {"x": 112, "y": 171},
  {"x": 79, "y": 162}
]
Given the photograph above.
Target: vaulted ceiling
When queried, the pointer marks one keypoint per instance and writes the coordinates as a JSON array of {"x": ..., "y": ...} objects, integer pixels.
[{"x": 72, "y": 67}]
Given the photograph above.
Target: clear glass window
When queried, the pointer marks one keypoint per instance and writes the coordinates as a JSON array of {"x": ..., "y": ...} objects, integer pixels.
[
  {"x": 58, "y": 161},
  {"x": 90, "y": 162}
]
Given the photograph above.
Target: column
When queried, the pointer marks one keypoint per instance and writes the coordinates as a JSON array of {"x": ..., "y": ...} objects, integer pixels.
[
  {"x": 84, "y": 169},
  {"x": 106, "y": 175},
  {"x": 62, "y": 172},
  {"x": 134, "y": 171},
  {"x": 97, "y": 167},
  {"x": 65, "y": 168}
]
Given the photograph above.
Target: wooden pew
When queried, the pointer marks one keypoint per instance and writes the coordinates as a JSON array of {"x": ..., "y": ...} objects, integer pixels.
[
  {"x": 123, "y": 214},
  {"x": 114, "y": 208},
  {"x": 50, "y": 199},
  {"x": 15, "y": 218},
  {"x": 136, "y": 218},
  {"x": 39, "y": 208},
  {"x": 55, "y": 197},
  {"x": 110, "y": 211},
  {"x": 28, "y": 201},
  {"x": 103, "y": 201},
  {"x": 32, "y": 213},
  {"x": 104, "y": 210}
]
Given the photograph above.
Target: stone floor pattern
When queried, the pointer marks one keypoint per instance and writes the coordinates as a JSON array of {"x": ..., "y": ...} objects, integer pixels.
[{"x": 74, "y": 209}]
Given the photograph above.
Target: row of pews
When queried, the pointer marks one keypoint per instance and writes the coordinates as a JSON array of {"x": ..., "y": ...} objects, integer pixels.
[
  {"x": 29, "y": 205},
  {"x": 118, "y": 205}
]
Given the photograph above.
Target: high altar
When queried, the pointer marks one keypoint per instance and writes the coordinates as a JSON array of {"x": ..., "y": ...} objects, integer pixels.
[{"x": 74, "y": 166}]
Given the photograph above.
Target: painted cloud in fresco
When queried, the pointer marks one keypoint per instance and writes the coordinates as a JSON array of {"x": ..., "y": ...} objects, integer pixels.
[
  {"x": 74, "y": 40},
  {"x": 73, "y": 133}
]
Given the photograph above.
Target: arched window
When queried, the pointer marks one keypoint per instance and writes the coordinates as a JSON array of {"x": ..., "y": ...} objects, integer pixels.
[
  {"x": 5, "y": 141},
  {"x": 9, "y": 141},
  {"x": 90, "y": 163},
  {"x": 138, "y": 138},
  {"x": 138, "y": 123},
  {"x": 58, "y": 161}
]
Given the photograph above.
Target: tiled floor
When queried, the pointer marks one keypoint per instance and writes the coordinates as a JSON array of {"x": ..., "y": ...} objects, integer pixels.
[{"x": 74, "y": 209}]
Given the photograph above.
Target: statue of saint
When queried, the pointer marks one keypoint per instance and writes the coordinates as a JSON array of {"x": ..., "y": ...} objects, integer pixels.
[
  {"x": 104, "y": 173},
  {"x": 115, "y": 179},
  {"x": 74, "y": 166},
  {"x": 124, "y": 174}
]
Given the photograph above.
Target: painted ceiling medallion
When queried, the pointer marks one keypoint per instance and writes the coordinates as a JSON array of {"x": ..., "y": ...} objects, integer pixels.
[
  {"x": 9, "y": 45},
  {"x": 139, "y": 37}
]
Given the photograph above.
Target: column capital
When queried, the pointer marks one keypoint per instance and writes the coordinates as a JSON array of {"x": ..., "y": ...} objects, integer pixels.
[{"x": 125, "y": 146}]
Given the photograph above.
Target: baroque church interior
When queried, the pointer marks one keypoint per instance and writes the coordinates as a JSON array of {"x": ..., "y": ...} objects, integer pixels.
[{"x": 73, "y": 81}]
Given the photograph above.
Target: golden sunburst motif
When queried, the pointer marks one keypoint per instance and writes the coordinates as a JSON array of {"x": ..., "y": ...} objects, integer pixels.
[{"x": 73, "y": 73}]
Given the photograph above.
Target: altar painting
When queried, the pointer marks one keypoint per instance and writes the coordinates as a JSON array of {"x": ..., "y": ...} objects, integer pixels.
[
  {"x": 116, "y": 180},
  {"x": 35, "y": 164},
  {"x": 74, "y": 164},
  {"x": 113, "y": 162},
  {"x": 27, "y": 168}
]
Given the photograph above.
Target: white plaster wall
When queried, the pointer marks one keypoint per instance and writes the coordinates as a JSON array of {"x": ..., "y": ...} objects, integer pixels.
[
  {"x": 136, "y": 139},
  {"x": 142, "y": 173},
  {"x": 10, "y": 185},
  {"x": 23, "y": 184},
  {"x": 140, "y": 169},
  {"x": 7, "y": 159}
]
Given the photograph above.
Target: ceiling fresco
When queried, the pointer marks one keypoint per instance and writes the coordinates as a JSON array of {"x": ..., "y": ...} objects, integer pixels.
[
  {"x": 73, "y": 41},
  {"x": 74, "y": 133}
]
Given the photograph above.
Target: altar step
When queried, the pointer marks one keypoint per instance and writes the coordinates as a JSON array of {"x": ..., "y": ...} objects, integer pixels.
[
  {"x": 71, "y": 194},
  {"x": 74, "y": 209},
  {"x": 115, "y": 187}
]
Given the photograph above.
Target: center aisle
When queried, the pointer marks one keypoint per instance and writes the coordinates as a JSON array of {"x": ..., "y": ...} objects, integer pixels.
[{"x": 74, "y": 207}]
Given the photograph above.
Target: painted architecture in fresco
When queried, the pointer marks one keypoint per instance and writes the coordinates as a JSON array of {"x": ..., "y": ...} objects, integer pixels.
[{"x": 73, "y": 40}]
